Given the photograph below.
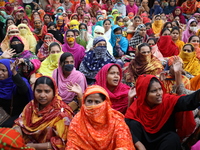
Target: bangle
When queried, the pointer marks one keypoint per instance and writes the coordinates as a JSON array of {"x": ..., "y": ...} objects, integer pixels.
[{"x": 48, "y": 145}]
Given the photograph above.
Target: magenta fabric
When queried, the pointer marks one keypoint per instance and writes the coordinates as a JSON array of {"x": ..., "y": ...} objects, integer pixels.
[
  {"x": 196, "y": 146},
  {"x": 182, "y": 18},
  {"x": 186, "y": 34},
  {"x": 77, "y": 51},
  {"x": 133, "y": 9},
  {"x": 119, "y": 97}
]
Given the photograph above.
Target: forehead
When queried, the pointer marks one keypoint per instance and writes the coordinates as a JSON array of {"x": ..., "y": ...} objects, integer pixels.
[{"x": 145, "y": 48}]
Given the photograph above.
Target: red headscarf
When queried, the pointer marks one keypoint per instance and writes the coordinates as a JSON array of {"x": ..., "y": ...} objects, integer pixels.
[
  {"x": 119, "y": 97},
  {"x": 167, "y": 47},
  {"x": 152, "y": 119}
]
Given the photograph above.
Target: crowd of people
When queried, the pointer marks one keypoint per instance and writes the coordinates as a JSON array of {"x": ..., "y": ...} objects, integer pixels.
[{"x": 100, "y": 74}]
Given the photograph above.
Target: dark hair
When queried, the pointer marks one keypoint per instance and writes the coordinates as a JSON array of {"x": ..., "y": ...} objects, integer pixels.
[
  {"x": 192, "y": 47},
  {"x": 175, "y": 28},
  {"x": 44, "y": 80},
  {"x": 82, "y": 24},
  {"x": 64, "y": 56},
  {"x": 118, "y": 18},
  {"x": 117, "y": 29},
  {"x": 76, "y": 31},
  {"x": 154, "y": 79},
  {"x": 9, "y": 19},
  {"x": 193, "y": 21},
  {"x": 54, "y": 44},
  {"x": 103, "y": 97},
  {"x": 70, "y": 30},
  {"x": 47, "y": 15},
  {"x": 152, "y": 38},
  {"x": 177, "y": 24},
  {"x": 137, "y": 17},
  {"x": 190, "y": 38},
  {"x": 163, "y": 30},
  {"x": 165, "y": 25},
  {"x": 51, "y": 24},
  {"x": 142, "y": 45},
  {"x": 107, "y": 20},
  {"x": 82, "y": 1},
  {"x": 112, "y": 66},
  {"x": 148, "y": 24}
]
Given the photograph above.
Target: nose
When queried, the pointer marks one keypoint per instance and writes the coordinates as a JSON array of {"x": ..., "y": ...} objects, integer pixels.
[{"x": 42, "y": 95}]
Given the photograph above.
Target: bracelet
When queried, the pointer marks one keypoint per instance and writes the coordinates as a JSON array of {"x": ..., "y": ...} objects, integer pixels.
[{"x": 48, "y": 145}]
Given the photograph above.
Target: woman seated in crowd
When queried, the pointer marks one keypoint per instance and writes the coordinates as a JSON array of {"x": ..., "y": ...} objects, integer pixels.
[
  {"x": 144, "y": 63},
  {"x": 176, "y": 34},
  {"x": 45, "y": 120},
  {"x": 66, "y": 73},
  {"x": 15, "y": 91},
  {"x": 51, "y": 62},
  {"x": 151, "y": 117},
  {"x": 95, "y": 59},
  {"x": 71, "y": 46},
  {"x": 110, "y": 77},
  {"x": 107, "y": 130},
  {"x": 195, "y": 41}
]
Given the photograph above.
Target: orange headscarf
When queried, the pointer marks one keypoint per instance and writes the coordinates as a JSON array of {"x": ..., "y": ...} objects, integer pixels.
[{"x": 99, "y": 126}]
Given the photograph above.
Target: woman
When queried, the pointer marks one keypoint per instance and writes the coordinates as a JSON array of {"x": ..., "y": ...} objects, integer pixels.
[
  {"x": 11, "y": 31},
  {"x": 120, "y": 22},
  {"x": 40, "y": 30},
  {"x": 95, "y": 59},
  {"x": 154, "y": 49},
  {"x": 107, "y": 26},
  {"x": 195, "y": 41},
  {"x": 15, "y": 91},
  {"x": 107, "y": 130},
  {"x": 118, "y": 42},
  {"x": 9, "y": 21},
  {"x": 109, "y": 77},
  {"x": 51, "y": 62},
  {"x": 190, "y": 30},
  {"x": 28, "y": 61},
  {"x": 71, "y": 46},
  {"x": 43, "y": 52},
  {"x": 139, "y": 37},
  {"x": 131, "y": 7},
  {"x": 47, "y": 18},
  {"x": 45, "y": 120},
  {"x": 190, "y": 61},
  {"x": 157, "y": 25},
  {"x": 66, "y": 73},
  {"x": 178, "y": 12},
  {"x": 170, "y": 8},
  {"x": 144, "y": 63},
  {"x": 25, "y": 32},
  {"x": 154, "y": 125},
  {"x": 175, "y": 34},
  {"x": 137, "y": 20}
]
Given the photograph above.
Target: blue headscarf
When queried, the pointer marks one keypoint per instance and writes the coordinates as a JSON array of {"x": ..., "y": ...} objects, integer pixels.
[
  {"x": 123, "y": 42},
  {"x": 8, "y": 87}
]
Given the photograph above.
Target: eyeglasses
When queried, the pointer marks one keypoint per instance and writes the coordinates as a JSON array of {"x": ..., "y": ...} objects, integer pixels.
[{"x": 187, "y": 50}]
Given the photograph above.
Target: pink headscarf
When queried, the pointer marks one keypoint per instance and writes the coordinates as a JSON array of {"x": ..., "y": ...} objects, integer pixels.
[
  {"x": 74, "y": 77},
  {"x": 186, "y": 34},
  {"x": 118, "y": 97},
  {"x": 77, "y": 51}
]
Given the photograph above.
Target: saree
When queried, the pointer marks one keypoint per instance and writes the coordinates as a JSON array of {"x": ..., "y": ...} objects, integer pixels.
[
  {"x": 99, "y": 126},
  {"x": 47, "y": 125},
  {"x": 118, "y": 97},
  {"x": 189, "y": 7},
  {"x": 195, "y": 83},
  {"x": 179, "y": 44},
  {"x": 157, "y": 26}
]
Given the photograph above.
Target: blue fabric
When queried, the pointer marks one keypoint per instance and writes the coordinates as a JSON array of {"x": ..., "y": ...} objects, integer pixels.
[
  {"x": 123, "y": 42},
  {"x": 8, "y": 87},
  {"x": 156, "y": 9}
]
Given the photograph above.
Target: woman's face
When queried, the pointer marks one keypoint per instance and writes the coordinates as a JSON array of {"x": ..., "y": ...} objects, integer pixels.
[
  {"x": 82, "y": 27},
  {"x": 145, "y": 50},
  {"x": 168, "y": 26},
  {"x": 137, "y": 21},
  {"x": 187, "y": 49},
  {"x": 174, "y": 24},
  {"x": 175, "y": 35},
  {"x": 10, "y": 22},
  {"x": 55, "y": 49},
  {"x": 102, "y": 43},
  {"x": 151, "y": 42},
  {"x": 75, "y": 17},
  {"x": 48, "y": 38},
  {"x": 93, "y": 99},
  {"x": 166, "y": 32},
  {"x": 193, "y": 24},
  {"x": 79, "y": 10},
  {"x": 47, "y": 19},
  {"x": 52, "y": 28},
  {"x": 38, "y": 24},
  {"x": 83, "y": 4},
  {"x": 118, "y": 32},
  {"x": 177, "y": 11},
  {"x": 107, "y": 25},
  {"x": 195, "y": 39},
  {"x": 70, "y": 35},
  {"x": 68, "y": 60},
  {"x": 25, "y": 22},
  {"x": 177, "y": 19},
  {"x": 131, "y": 2},
  {"x": 43, "y": 94},
  {"x": 113, "y": 77},
  {"x": 172, "y": 3},
  {"x": 143, "y": 32},
  {"x": 100, "y": 19},
  {"x": 137, "y": 2},
  {"x": 197, "y": 17},
  {"x": 154, "y": 95},
  {"x": 3, "y": 72}
]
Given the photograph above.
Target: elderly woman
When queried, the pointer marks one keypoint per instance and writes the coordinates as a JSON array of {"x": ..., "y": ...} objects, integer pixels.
[
  {"x": 144, "y": 63},
  {"x": 15, "y": 92},
  {"x": 107, "y": 130},
  {"x": 26, "y": 33},
  {"x": 71, "y": 46},
  {"x": 151, "y": 117},
  {"x": 45, "y": 120},
  {"x": 66, "y": 73},
  {"x": 95, "y": 59}
]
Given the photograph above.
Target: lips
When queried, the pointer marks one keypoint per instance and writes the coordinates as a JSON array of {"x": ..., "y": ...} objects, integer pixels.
[{"x": 116, "y": 81}]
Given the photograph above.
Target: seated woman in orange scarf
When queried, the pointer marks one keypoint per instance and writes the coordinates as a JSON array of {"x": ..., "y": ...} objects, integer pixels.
[
  {"x": 97, "y": 125},
  {"x": 144, "y": 63},
  {"x": 169, "y": 79},
  {"x": 151, "y": 117},
  {"x": 45, "y": 120}
]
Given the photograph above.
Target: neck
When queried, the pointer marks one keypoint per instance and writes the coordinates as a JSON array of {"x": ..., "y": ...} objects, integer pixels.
[
  {"x": 66, "y": 74},
  {"x": 71, "y": 45},
  {"x": 111, "y": 88}
]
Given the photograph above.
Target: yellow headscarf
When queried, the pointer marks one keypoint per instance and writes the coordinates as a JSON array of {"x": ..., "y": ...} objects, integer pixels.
[
  {"x": 157, "y": 26},
  {"x": 74, "y": 23}
]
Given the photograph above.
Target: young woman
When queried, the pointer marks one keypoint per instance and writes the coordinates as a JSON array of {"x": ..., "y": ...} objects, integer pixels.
[
  {"x": 51, "y": 62},
  {"x": 157, "y": 25},
  {"x": 45, "y": 120},
  {"x": 195, "y": 41},
  {"x": 71, "y": 46},
  {"x": 175, "y": 34},
  {"x": 66, "y": 73},
  {"x": 178, "y": 12},
  {"x": 107, "y": 130},
  {"x": 107, "y": 26},
  {"x": 95, "y": 59},
  {"x": 15, "y": 91},
  {"x": 151, "y": 117}
]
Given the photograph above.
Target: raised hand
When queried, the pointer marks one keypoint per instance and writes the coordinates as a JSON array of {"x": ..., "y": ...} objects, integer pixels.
[
  {"x": 74, "y": 88},
  {"x": 8, "y": 53},
  {"x": 177, "y": 65},
  {"x": 13, "y": 66}
]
